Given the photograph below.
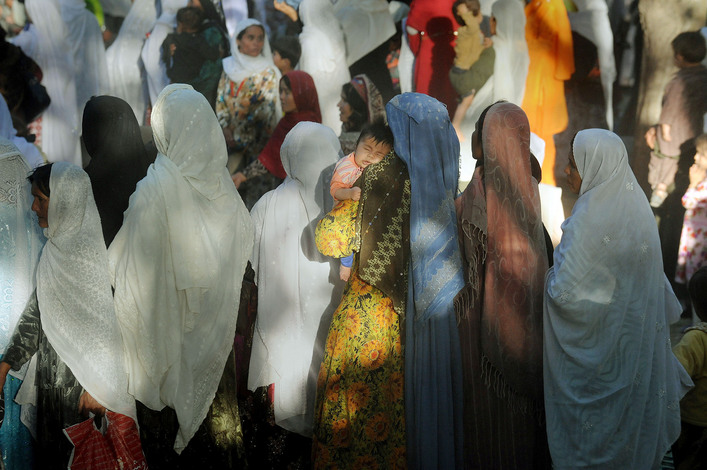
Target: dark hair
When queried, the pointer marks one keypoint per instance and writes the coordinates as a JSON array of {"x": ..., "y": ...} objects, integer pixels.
[
  {"x": 701, "y": 142},
  {"x": 535, "y": 168},
  {"x": 286, "y": 80},
  {"x": 289, "y": 48},
  {"x": 40, "y": 177},
  {"x": 473, "y": 5},
  {"x": 377, "y": 130},
  {"x": 190, "y": 17},
  {"x": 697, "y": 288},
  {"x": 691, "y": 46},
  {"x": 359, "y": 110},
  {"x": 242, "y": 33}
]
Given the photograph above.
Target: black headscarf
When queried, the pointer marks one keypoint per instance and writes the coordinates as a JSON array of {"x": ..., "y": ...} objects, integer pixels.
[{"x": 112, "y": 138}]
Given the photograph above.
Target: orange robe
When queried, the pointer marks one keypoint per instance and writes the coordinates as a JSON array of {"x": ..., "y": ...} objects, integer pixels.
[{"x": 549, "y": 37}]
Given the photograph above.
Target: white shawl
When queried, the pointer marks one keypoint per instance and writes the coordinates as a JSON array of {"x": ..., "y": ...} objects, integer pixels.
[
  {"x": 155, "y": 71},
  {"x": 592, "y": 22},
  {"x": 298, "y": 289},
  {"x": 323, "y": 53},
  {"x": 73, "y": 291},
  {"x": 612, "y": 383},
  {"x": 86, "y": 42},
  {"x": 178, "y": 262},
  {"x": 240, "y": 66},
  {"x": 46, "y": 42},
  {"x": 509, "y": 72},
  {"x": 123, "y": 57},
  {"x": 20, "y": 241},
  {"x": 7, "y": 131},
  {"x": 366, "y": 25}
]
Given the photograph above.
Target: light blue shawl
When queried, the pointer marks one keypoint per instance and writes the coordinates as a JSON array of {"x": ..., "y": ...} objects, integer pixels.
[{"x": 425, "y": 140}]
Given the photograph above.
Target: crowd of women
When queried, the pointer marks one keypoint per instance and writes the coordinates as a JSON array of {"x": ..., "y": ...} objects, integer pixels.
[{"x": 187, "y": 278}]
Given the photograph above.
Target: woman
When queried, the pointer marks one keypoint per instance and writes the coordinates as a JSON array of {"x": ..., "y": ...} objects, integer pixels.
[
  {"x": 360, "y": 103},
  {"x": 426, "y": 141},
  {"x": 21, "y": 241},
  {"x": 500, "y": 309},
  {"x": 612, "y": 383},
  {"x": 291, "y": 313},
  {"x": 187, "y": 235},
  {"x": 359, "y": 416},
  {"x": 298, "y": 98},
  {"x": 549, "y": 38},
  {"x": 46, "y": 41},
  {"x": 119, "y": 160},
  {"x": 70, "y": 321},
  {"x": 214, "y": 31},
  {"x": 89, "y": 53},
  {"x": 247, "y": 103},
  {"x": 509, "y": 70},
  {"x": 123, "y": 57}
]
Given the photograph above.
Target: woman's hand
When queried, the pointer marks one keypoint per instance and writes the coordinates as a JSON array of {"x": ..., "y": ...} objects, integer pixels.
[
  {"x": 89, "y": 404},
  {"x": 344, "y": 273},
  {"x": 238, "y": 179},
  {"x": 650, "y": 137},
  {"x": 228, "y": 135},
  {"x": 697, "y": 174},
  {"x": 286, "y": 9},
  {"x": 4, "y": 369}
]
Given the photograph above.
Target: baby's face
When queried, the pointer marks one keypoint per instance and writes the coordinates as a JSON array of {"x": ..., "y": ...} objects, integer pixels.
[
  {"x": 701, "y": 159},
  {"x": 369, "y": 151}
]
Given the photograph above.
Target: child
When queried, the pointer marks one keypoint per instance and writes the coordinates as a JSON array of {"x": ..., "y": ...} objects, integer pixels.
[
  {"x": 185, "y": 51},
  {"x": 286, "y": 52},
  {"x": 681, "y": 117},
  {"x": 473, "y": 64},
  {"x": 374, "y": 143},
  {"x": 693, "y": 240},
  {"x": 690, "y": 450}
]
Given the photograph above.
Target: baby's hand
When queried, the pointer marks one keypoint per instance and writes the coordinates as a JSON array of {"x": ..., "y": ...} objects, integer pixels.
[
  {"x": 172, "y": 48},
  {"x": 344, "y": 273},
  {"x": 355, "y": 193}
]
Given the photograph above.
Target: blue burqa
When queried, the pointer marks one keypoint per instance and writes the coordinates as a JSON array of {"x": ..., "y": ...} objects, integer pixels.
[{"x": 425, "y": 140}]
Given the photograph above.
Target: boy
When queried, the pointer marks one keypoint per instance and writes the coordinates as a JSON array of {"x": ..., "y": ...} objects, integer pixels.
[
  {"x": 286, "y": 52},
  {"x": 473, "y": 64},
  {"x": 185, "y": 51},
  {"x": 690, "y": 450},
  {"x": 681, "y": 118},
  {"x": 374, "y": 143}
]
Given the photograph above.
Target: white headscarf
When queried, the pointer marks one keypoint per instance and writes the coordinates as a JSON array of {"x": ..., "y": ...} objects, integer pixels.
[
  {"x": 592, "y": 22},
  {"x": 612, "y": 383},
  {"x": 178, "y": 262},
  {"x": 239, "y": 66},
  {"x": 86, "y": 42},
  {"x": 28, "y": 150},
  {"x": 509, "y": 71},
  {"x": 323, "y": 51},
  {"x": 73, "y": 291},
  {"x": 46, "y": 41},
  {"x": 297, "y": 292},
  {"x": 20, "y": 240},
  {"x": 123, "y": 56}
]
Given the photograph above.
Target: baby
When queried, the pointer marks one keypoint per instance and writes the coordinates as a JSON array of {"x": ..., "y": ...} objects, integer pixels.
[
  {"x": 374, "y": 143},
  {"x": 185, "y": 51}
]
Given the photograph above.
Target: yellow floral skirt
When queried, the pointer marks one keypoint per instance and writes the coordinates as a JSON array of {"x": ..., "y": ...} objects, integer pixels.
[{"x": 359, "y": 414}]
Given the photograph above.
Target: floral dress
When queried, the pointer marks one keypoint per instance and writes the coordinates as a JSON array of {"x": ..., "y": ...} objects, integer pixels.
[
  {"x": 359, "y": 417},
  {"x": 248, "y": 109},
  {"x": 693, "y": 241}
]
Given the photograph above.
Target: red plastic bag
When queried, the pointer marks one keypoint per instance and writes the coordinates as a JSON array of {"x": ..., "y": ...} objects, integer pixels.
[{"x": 118, "y": 449}]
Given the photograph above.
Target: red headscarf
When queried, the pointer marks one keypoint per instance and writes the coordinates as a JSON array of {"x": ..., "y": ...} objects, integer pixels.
[{"x": 307, "y": 102}]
